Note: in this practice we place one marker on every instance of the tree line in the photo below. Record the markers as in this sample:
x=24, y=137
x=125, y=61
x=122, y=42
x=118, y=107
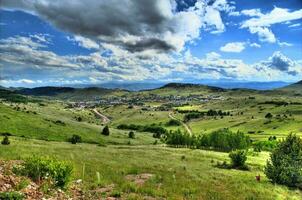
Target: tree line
x=222, y=140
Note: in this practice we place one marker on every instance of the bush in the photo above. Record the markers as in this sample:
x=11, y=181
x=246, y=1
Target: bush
x=238, y=158
x=106, y=131
x=193, y=115
x=41, y=168
x=173, y=122
x=11, y=196
x=131, y=135
x=75, y=139
x=285, y=164
x=157, y=130
x=5, y=141
x=268, y=116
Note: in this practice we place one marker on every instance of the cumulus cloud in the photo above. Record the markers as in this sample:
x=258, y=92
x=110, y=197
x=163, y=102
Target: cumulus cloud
x=260, y=23
x=281, y=63
x=27, y=51
x=84, y=42
x=126, y=66
x=252, y=12
x=134, y=25
x=264, y=34
x=235, y=47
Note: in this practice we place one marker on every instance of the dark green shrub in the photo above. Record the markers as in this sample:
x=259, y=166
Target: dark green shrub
x=75, y=139
x=106, y=131
x=131, y=135
x=11, y=196
x=157, y=130
x=5, y=141
x=173, y=122
x=268, y=116
x=41, y=168
x=238, y=158
x=285, y=164
x=272, y=138
x=193, y=115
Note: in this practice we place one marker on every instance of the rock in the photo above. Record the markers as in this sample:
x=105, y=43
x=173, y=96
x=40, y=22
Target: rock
x=78, y=181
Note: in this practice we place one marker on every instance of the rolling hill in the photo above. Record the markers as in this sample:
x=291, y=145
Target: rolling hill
x=179, y=89
x=295, y=88
x=76, y=94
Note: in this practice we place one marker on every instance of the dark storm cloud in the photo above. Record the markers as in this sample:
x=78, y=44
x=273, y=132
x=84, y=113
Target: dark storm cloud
x=152, y=43
x=104, y=18
x=112, y=20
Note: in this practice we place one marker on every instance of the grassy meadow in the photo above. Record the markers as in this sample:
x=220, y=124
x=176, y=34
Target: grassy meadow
x=44, y=127
x=177, y=173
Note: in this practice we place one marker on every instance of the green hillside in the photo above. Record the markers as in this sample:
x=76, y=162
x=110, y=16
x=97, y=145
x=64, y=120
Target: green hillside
x=39, y=125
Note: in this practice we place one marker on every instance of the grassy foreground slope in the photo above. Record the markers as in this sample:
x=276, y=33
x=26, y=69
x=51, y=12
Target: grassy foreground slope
x=177, y=173
x=43, y=127
x=54, y=122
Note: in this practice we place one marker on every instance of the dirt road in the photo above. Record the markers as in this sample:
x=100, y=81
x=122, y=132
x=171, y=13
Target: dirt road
x=188, y=129
x=105, y=119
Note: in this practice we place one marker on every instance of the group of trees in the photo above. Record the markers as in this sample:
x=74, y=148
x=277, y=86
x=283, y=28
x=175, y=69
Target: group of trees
x=157, y=130
x=222, y=140
x=197, y=114
x=173, y=122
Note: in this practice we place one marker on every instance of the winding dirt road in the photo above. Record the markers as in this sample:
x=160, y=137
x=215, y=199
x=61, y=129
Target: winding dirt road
x=105, y=119
x=188, y=129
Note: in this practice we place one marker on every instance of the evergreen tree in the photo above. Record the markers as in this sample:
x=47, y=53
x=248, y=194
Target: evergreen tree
x=106, y=131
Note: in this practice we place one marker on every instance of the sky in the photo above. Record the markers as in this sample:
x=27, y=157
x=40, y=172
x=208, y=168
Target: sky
x=63, y=42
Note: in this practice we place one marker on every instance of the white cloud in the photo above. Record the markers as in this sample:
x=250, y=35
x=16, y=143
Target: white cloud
x=260, y=23
x=213, y=18
x=284, y=44
x=19, y=81
x=212, y=56
x=255, y=45
x=294, y=25
x=235, y=47
x=25, y=51
x=264, y=34
x=277, y=15
x=234, y=13
x=252, y=12
x=84, y=42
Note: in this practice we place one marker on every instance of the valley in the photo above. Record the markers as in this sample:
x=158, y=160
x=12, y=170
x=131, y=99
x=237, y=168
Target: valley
x=42, y=124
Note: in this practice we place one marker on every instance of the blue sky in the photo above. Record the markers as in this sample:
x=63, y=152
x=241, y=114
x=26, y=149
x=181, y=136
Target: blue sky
x=91, y=42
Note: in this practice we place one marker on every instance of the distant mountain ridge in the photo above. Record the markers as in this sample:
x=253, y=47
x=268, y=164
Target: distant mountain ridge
x=299, y=83
x=192, y=85
x=45, y=91
x=95, y=93
x=70, y=93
